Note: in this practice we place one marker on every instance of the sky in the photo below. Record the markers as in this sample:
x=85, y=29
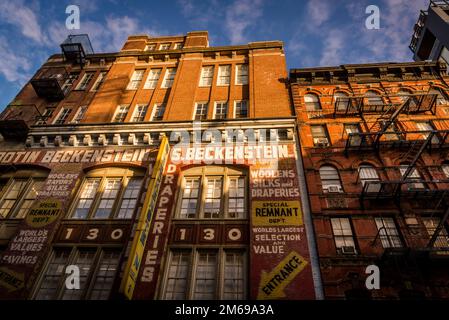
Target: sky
x=314, y=32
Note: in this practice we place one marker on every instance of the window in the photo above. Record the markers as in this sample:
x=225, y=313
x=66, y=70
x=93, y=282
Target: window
x=139, y=113
x=241, y=75
x=79, y=114
x=82, y=85
x=206, y=274
x=352, y=130
x=341, y=100
x=164, y=46
x=389, y=235
x=153, y=78
x=373, y=98
x=212, y=193
x=48, y=113
x=207, y=74
x=431, y=224
x=413, y=178
x=63, y=115
x=18, y=191
x=403, y=95
x=201, y=111
x=241, y=109
x=178, y=46
x=99, y=81
x=221, y=110
x=368, y=174
x=441, y=96
x=320, y=136
x=169, y=77
x=108, y=193
x=98, y=269
x=427, y=126
x=344, y=240
x=73, y=76
x=150, y=47
x=330, y=179
x=445, y=168
x=121, y=113
x=312, y=102
x=136, y=79
x=158, y=112
x=224, y=75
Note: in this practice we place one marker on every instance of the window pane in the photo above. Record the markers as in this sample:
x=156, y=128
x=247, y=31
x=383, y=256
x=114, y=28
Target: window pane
x=153, y=79
x=201, y=111
x=207, y=73
x=11, y=195
x=122, y=112
x=169, y=77
x=236, y=190
x=241, y=109
x=50, y=283
x=104, y=278
x=234, y=278
x=342, y=231
x=178, y=270
x=108, y=198
x=129, y=200
x=190, y=195
x=158, y=113
x=83, y=261
x=312, y=102
x=212, y=205
x=431, y=224
x=242, y=74
x=221, y=110
x=86, y=198
x=136, y=79
x=388, y=232
x=29, y=199
x=224, y=75
x=139, y=113
x=205, y=276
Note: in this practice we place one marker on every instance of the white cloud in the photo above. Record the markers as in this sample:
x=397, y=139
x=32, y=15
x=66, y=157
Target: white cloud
x=334, y=48
x=13, y=66
x=318, y=12
x=23, y=17
x=241, y=15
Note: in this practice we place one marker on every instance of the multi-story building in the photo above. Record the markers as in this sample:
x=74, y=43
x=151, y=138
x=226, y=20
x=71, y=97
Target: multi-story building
x=89, y=183
x=430, y=40
x=374, y=142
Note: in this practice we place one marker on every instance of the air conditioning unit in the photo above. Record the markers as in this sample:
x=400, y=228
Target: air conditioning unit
x=321, y=142
x=349, y=250
x=333, y=189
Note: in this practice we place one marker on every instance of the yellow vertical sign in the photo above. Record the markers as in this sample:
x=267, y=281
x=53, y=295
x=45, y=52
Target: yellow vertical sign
x=143, y=226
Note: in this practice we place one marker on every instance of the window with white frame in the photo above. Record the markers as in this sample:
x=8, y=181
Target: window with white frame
x=414, y=178
x=431, y=224
x=62, y=116
x=150, y=47
x=241, y=109
x=19, y=190
x=224, y=75
x=98, y=270
x=169, y=78
x=82, y=85
x=201, y=111
x=47, y=114
x=312, y=102
x=79, y=114
x=221, y=110
x=136, y=79
x=369, y=178
x=373, y=98
x=158, y=112
x=206, y=274
x=241, y=74
x=121, y=113
x=343, y=237
x=153, y=78
x=352, y=130
x=388, y=232
x=341, y=100
x=177, y=46
x=207, y=74
x=73, y=76
x=212, y=193
x=99, y=81
x=139, y=113
x=320, y=136
x=427, y=127
x=109, y=193
x=164, y=46
x=330, y=179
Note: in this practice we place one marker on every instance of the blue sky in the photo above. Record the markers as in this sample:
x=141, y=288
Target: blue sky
x=315, y=32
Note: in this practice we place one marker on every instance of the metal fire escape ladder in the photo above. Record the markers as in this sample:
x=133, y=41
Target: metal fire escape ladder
x=438, y=229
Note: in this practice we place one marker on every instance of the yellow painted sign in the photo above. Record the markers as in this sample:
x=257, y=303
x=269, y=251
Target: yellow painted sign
x=43, y=213
x=272, y=284
x=143, y=226
x=11, y=280
x=276, y=213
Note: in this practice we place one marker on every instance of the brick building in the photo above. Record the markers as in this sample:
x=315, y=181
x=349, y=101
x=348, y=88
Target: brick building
x=168, y=170
x=374, y=142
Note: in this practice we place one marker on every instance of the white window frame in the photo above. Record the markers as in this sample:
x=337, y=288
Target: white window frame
x=63, y=115
x=79, y=115
x=195, y=113
x=389, y=235
x=239, y=76
x=334, y=181
x=235, y=109
x=153, y=78
x=178, y=46
x=150, y=47
x=118, y=110
x=220, y=76
x=342, y=232
x=84, y=83
x=155, y=109
x=215, y=109
x=99, y=82
x=162, y=46
x=138, y=114
x=136, y=80
x=207, y=76
x=168, y=82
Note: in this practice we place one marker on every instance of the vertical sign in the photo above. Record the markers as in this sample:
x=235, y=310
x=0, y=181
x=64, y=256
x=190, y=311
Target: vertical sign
x=279, y=249
x=146, y=215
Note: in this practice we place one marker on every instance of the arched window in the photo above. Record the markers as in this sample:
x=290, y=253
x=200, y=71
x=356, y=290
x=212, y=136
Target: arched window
x=330, y=179
x=109, y=193
x=19, y=189
x=373, y=98
x=441, y=96
x=369, y=178
x=312, y=102
x=414, y=178
x=341, y=100
x=213, y=193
